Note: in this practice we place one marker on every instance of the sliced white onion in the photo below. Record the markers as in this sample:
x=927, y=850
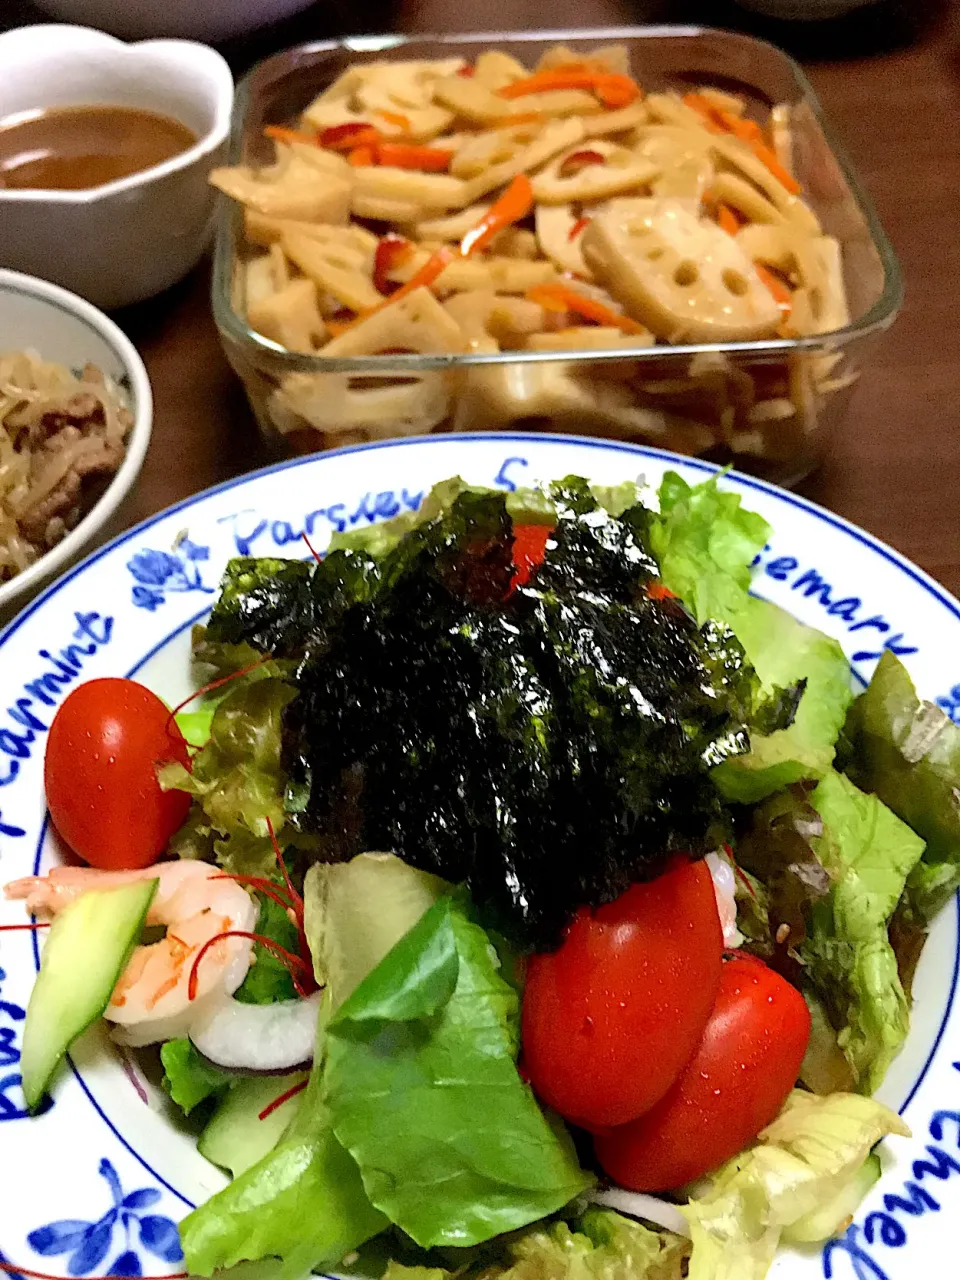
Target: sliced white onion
x=258, y=1037
x=650, y=1208
x=725, y=887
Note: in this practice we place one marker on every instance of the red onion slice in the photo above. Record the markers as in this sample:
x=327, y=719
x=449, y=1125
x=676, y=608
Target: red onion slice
x=258, y=1037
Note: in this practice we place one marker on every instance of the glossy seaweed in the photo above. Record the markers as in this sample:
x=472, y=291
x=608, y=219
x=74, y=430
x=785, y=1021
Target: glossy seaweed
x=548, y=744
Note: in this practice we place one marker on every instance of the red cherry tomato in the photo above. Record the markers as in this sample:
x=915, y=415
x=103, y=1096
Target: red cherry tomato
x=100, y=774
x=529, y=548
x=612, y=1017
x=735, y=1084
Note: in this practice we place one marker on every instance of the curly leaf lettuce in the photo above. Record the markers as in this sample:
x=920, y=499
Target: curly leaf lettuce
x=706, y=543
x=602, y=1245
x=804, y=1161
x=868, y=853
x=423, y=1091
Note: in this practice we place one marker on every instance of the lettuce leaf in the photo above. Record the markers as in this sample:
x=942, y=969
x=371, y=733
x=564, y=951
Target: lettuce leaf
x=423, y=1091
x=801, y=1163
x=784, y=651
x=188, y=1077
x=868, y=853
x=907, y=752
x=706, y=543
x=268, y=979
x=304, y=1203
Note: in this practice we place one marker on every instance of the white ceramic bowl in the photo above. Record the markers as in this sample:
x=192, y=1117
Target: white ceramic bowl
x=197, y=19
x=129, y=239
x=62, y=327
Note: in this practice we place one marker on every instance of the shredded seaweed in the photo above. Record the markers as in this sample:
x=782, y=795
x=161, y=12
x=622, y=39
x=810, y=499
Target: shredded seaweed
x=547, y=744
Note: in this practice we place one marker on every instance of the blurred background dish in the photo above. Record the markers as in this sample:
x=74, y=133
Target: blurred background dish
x=194, y=19
x=73, y=434
x=129, y=238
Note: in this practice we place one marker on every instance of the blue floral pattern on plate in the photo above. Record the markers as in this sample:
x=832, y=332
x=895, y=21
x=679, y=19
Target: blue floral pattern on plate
x=950, y=703
x=89, y=1243
x=159, y=572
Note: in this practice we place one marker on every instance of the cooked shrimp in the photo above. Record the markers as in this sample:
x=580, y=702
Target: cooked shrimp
x=151, y=1001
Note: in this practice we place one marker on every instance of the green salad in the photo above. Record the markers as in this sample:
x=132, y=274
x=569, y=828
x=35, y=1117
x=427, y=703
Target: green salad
x=537, y=902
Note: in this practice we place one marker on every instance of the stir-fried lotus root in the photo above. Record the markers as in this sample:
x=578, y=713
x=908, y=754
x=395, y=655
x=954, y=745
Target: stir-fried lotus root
x=445, y=208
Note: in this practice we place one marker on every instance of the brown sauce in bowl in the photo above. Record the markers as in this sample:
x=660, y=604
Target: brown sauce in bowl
x=76, y=148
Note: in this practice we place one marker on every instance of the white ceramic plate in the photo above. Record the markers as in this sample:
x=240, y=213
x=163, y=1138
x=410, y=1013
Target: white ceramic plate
x=95, y=1185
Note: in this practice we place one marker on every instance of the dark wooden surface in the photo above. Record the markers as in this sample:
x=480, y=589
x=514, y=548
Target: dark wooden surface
x=889, y=82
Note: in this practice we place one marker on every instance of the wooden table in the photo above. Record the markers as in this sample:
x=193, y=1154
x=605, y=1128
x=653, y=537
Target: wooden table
x=892, y=470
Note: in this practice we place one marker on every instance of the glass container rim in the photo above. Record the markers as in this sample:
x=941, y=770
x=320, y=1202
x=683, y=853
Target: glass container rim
x=234, y=328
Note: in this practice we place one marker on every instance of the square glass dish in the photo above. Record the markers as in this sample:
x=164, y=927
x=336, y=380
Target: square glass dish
x=768, y=406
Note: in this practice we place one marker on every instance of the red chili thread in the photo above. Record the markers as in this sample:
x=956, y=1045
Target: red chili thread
x=744, y=880
x=297, y=906
x=292, y=962
x=266, y=887
x=311, y=547
x=216, y=684
x=13, y=1269
x=284, y=1097
x=39, y=924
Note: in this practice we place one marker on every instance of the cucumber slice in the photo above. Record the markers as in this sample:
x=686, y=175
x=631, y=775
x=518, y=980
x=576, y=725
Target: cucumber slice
x=86, y=951
x=834, y=1217
x=236, y=1138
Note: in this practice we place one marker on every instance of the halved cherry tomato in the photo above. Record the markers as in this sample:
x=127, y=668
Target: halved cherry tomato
x=529, y=548
x=611, y=1018
x=100, y=773
x=735, y=1084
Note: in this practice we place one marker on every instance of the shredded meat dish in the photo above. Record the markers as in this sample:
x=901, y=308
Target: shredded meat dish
x=64, y=437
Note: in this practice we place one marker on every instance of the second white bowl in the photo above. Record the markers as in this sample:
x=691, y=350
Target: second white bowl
x=128, y=239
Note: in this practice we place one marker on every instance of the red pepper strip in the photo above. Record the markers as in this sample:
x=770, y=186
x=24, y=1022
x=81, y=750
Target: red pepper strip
x=467, y=72
x=514, y=205
x=612, y=90
x=344, y=137
x=727, y=220
x=579, y=226
x=559, y=297
x=395, y=118
x=580, y=160
x=657, y=591
x=781, y=294
x=279, y=134
x=391, y=252
x=361, y=157
x=719, y=121
x=401, y=155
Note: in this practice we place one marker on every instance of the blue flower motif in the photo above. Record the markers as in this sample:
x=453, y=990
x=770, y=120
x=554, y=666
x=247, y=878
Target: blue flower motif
x=147, y=598
x=89, y=1243
x=159, y=572
x=193, y=552
x=951, y=704
x=153, y=568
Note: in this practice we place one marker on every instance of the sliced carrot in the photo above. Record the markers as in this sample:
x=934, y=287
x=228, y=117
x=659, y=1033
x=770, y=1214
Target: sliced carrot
x=727, y=220
x=467, y=71
x=705, y=108
x=514, y=205
x=396, y=118
x=612, y=90
x=719, y=121
x=559, y=297
x=522, y=117
x=781, y=294
x=362, y=157
x=578, y=226
x=279, y=134
x=344, y=137
x=402, y=155
x=766, y=155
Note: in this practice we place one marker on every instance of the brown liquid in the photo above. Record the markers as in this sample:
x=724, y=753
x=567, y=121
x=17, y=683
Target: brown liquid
x=75, y=148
